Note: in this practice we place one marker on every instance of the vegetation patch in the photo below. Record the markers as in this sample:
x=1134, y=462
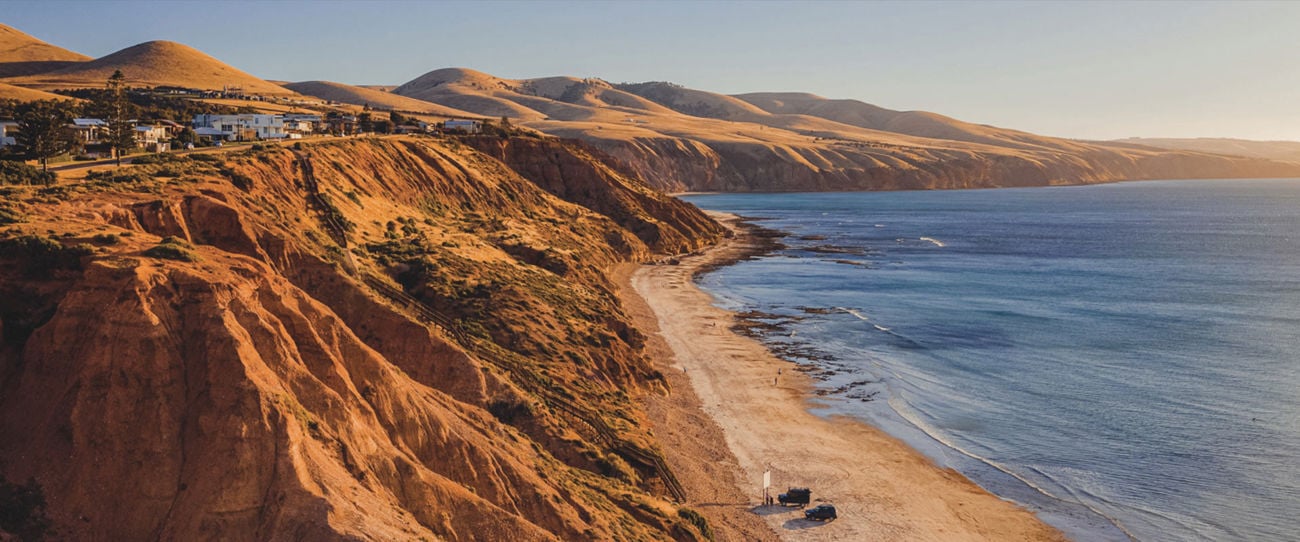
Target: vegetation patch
x=44, y=254
x=119, y=176
x=107, y=239
x=13, y=172
x=22, y=510
x=694, y=518
x=172, y=248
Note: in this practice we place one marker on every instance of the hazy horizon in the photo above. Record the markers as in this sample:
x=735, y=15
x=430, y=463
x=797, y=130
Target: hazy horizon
x=1086, y=70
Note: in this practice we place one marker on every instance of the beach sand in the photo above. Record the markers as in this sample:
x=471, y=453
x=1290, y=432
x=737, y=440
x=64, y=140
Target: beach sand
x=729, y=416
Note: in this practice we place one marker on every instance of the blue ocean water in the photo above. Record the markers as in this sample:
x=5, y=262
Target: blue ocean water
x=1122, y=359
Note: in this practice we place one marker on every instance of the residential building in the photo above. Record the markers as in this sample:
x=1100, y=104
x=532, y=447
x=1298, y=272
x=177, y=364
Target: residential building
x=343, y=124
x=89, y=130
x=242, y=127
x=7, y=130
x=152, y=138
x=467, y=126
x=297, y=123
x=171, y=128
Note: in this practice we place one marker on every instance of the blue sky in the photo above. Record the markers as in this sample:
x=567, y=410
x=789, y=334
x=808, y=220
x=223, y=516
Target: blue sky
x=1093, y=69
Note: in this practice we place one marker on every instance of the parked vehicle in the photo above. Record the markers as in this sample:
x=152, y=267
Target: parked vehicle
x=796, y=495
x=821, y=512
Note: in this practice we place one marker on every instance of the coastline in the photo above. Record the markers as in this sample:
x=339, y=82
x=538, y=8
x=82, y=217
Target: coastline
x=730, y=415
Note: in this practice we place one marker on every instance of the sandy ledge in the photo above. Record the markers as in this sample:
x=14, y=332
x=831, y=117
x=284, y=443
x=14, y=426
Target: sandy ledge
x=726, y=419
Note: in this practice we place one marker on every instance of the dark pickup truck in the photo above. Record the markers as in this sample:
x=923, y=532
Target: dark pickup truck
x=795, y=495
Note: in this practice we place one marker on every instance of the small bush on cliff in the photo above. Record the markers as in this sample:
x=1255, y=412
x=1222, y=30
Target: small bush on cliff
x=172, y=248
x=22, y=510
x=117, y=176
x=159, y=159
x=9, y=215
x=106, y=239
x=697, y=520
x=43, y=254
x=507, y=411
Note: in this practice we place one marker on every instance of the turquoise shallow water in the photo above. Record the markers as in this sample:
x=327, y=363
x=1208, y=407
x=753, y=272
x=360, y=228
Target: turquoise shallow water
x=1120, y=358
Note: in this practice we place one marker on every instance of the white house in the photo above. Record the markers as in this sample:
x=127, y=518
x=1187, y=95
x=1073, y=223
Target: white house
x=468, y=126
x=152, y=138
x=297, y=123
x=146, y=134
x=89, y=130
x=7, y=130
x=242, y=127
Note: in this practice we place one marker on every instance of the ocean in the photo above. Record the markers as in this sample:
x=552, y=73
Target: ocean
x=1121, y=359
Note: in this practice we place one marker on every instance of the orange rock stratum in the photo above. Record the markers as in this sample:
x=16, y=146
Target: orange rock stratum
x=370, y=339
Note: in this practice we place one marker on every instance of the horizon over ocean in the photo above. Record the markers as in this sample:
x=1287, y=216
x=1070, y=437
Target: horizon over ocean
x=1118, y=358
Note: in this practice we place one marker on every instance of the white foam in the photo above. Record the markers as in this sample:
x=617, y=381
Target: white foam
x=855, y=314
x=936, y=242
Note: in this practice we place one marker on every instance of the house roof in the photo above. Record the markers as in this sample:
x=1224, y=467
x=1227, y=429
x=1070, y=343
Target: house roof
x=89, y=122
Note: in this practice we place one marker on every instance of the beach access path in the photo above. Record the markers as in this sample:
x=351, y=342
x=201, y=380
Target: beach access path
x=730, y=416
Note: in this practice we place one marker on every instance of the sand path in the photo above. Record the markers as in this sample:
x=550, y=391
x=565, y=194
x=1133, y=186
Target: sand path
x=883, y=489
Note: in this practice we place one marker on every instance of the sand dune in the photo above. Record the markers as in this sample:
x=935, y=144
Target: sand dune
x=348, y=94
x=154, y=63
x=21, y=54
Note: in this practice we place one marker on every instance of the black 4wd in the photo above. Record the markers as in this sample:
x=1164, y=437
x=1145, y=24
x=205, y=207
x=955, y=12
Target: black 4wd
x=821, y=512
x=795, y=495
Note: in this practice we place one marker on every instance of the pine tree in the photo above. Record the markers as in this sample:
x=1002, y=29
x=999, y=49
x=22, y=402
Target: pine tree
x=121, y=131
x=43, y=130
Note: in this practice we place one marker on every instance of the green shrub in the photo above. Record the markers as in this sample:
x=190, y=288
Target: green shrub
x=241, y=181
x=22, y=510
x=160, y=158
x=12, y=172
x=107, y=239
x=172, y=248
x=697, y=520
x=44, y=254
x=10, y=216
x=118, y=176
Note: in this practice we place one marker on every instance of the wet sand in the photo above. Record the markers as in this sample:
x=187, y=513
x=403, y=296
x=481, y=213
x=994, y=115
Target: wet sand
x=730, y=416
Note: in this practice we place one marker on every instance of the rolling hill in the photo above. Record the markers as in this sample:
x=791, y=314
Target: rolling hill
x=154, y=63
x=1288, y=151
x=678, y=138
x=348, y=94
x=11, y=92
x=686, y=139
x=21, y=54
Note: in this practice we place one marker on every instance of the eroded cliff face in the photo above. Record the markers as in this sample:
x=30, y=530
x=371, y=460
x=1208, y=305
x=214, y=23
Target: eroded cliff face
x=677, y=165
x=392, y=339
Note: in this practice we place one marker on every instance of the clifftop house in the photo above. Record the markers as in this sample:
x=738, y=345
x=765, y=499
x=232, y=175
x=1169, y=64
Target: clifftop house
x=240, y=127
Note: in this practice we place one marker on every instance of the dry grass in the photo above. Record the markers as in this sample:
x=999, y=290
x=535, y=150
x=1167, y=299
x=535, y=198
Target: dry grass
x=11, y=92
x=348, y=94
x=155, y=63
x=21, y=54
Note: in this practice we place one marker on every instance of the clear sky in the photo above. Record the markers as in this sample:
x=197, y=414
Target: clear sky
x=1089, y=69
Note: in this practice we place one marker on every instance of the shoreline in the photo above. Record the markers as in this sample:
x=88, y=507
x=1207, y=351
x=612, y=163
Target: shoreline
x=725, y=422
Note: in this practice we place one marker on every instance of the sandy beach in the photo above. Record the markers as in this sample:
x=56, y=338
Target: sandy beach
x=730, y=416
